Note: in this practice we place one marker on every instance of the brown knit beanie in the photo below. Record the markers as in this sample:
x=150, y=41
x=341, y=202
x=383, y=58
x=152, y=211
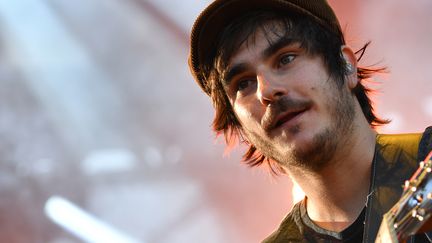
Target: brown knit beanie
x=212, y=21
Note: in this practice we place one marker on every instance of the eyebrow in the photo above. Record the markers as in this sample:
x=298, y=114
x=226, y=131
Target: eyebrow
x=232, y=72
x=273, y=47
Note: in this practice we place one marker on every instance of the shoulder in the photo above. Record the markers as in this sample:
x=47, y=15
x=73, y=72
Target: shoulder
x=398, y=149
x=413, y=145
x=289, y=230
x=406, y=141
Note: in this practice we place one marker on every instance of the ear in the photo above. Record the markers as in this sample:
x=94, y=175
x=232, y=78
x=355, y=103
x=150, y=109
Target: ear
x=350, y=66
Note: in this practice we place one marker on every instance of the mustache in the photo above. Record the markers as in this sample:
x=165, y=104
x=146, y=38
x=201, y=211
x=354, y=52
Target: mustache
x=283, y=105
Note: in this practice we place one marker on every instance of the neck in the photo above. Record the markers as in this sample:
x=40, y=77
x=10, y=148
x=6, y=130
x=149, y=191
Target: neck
x=337, y=194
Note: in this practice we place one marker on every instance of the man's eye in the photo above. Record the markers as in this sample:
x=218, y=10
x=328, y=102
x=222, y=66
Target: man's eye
x=244, y=84
x=286, y=59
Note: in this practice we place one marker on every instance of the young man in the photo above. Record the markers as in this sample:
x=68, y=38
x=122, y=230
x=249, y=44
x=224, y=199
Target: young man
x=284, y=82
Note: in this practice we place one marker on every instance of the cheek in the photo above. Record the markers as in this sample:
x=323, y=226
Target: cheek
x=248, y=114
x=243, y=113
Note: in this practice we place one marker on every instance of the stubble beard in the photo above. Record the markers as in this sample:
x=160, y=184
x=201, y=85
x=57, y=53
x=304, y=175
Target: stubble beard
x=319, y=152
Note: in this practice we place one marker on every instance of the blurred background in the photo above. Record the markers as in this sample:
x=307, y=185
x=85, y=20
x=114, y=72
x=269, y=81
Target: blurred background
x=105, y=137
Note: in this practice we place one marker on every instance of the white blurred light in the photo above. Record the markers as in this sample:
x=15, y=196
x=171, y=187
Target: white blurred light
x=153, y=156
x=108, y=161
x=83, y=225
x=427, y=106
x=173, y=154
x=43, y=166
x=297, y=193
x=396, y=124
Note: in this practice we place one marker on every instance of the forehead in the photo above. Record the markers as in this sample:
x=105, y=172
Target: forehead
x=264, y=40
x=263, y=43
x=270, y=30
x=243, y=31
x=244, y=34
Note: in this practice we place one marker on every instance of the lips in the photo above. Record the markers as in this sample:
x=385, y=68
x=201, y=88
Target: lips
x=274, y=122
x=283, y=111
x=287, y=117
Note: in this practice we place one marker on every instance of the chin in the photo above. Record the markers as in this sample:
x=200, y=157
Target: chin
x=310, y=150
x=298, y=137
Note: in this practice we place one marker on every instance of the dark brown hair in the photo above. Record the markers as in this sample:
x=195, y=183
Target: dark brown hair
x=313, y=37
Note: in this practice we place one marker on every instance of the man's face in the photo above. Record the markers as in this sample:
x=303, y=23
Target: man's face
x=286, y=102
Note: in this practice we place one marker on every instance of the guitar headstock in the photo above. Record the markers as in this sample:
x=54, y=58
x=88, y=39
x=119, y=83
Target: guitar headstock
x=410, y=214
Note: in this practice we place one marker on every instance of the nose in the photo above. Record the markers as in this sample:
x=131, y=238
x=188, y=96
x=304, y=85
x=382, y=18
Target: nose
x=270, y=88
